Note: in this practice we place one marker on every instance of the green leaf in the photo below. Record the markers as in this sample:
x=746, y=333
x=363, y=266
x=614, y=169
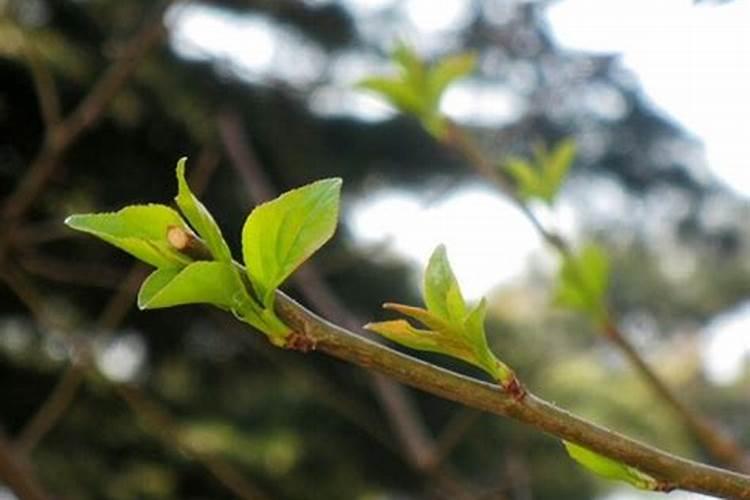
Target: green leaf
x=200, y=218
x=446, y=71
x=412, y=67
x=609, y=468
x=200, y=282
x=441, y=292
x=526, y=177
x=556, y=168
x=451, y=329
x=583, y=281
x=419, y=87
x=544, y=178
x=140, y=230
x=474, y=325
x=397, y=93
x=280, y=235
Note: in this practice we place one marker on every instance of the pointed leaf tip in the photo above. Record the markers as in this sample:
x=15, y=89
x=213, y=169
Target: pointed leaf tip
x=442, y=294
x=139, y=230
x=199, y=217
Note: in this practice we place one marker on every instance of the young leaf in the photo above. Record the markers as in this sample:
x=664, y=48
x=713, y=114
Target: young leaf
x=200, y=218
x=419, y=87
x=280, y=235
x=556, y=167
x=544, y=178
x=610, y=469
x=402, y=332
x=397, y=93
x=526, y=177
x=451, y=329
x=140, y=230
x=583, y=281
x=441, y=292
x=198, y=283
x=446, y=71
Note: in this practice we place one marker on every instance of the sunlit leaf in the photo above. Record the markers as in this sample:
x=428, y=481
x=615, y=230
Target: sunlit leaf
x=610, y=469
x=446, y=71
x=543, y=178
x=441, y=292
x=556, y=168
x=526, y=177
x=198, y=283
x=419, y=87
x=397, y=93
x=281, y=234
x=450, y=328
x=140, y=230
x=583, y=281
x=200, y=218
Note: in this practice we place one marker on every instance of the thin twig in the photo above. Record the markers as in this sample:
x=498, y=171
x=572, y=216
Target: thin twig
x=17, y=475
x=71, y=272
x=306, y=377
x=166, y=428
x=714, y=439
x=65, y=132
x=58, y=403
x=62, y=396
x=44, y=84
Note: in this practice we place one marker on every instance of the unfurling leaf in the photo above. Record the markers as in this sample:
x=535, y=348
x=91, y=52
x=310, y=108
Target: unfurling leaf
x=140, y=230
x=543, y=177
x=281, y=234
x=583, y=281
x=609, y=468
x=419, y=87
x=200, y=218
x=451, y=328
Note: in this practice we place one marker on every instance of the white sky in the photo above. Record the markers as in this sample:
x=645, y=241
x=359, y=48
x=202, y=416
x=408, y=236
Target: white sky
x=693, y=63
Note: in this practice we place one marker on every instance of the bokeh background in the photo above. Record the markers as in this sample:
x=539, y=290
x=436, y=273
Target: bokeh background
x=99, y=98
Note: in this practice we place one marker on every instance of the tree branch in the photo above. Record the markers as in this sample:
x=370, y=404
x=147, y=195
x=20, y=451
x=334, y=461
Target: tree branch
x=711, y=436
x=16, y=475
x=670, y=470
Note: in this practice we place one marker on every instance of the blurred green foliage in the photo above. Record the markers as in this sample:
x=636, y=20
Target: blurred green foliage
x=308, y=427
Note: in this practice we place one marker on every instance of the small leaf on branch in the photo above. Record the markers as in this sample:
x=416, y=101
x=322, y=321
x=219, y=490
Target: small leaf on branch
x=583, y=281
x=451, y=329
x=281, y=234
x=419, y=87
x=610, y=469
x=140, y=230
x=200, y=218
x=198, y=283
x=543, y=177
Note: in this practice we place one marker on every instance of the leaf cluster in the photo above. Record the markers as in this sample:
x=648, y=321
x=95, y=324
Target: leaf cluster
x=277, y=238
x=451, y=327
x=418, y=87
